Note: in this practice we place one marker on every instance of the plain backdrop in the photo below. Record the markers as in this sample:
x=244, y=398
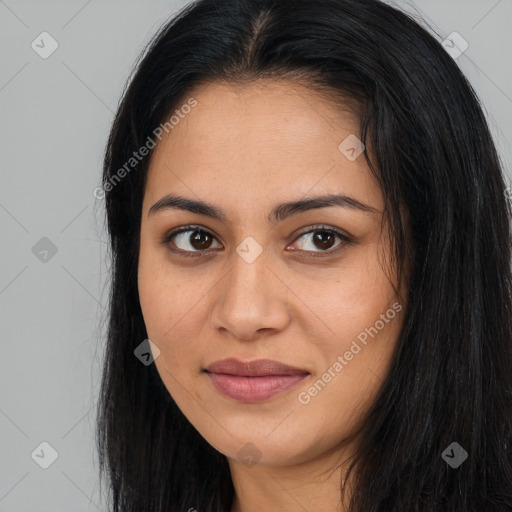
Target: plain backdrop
x=55, y=114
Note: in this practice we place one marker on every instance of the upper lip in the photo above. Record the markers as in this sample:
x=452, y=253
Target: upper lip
x=257, y=368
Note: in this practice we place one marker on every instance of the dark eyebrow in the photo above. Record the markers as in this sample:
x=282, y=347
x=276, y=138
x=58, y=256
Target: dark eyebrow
x=278, y=213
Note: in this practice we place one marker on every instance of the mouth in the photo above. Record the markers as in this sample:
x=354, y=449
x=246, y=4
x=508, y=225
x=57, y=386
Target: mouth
x=254, y=381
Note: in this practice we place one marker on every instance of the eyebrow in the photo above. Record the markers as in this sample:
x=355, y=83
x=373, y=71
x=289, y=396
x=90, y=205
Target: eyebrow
x=278, y=213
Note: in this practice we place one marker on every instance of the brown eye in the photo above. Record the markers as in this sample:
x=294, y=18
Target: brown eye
x=194, y=240
x=190, y=239
x=200, y=240
x=322, y=239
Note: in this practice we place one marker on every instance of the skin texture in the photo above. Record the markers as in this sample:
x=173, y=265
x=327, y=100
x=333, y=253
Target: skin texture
x=246, y=149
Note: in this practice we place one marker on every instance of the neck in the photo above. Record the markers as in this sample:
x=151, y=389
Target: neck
x=311, y=485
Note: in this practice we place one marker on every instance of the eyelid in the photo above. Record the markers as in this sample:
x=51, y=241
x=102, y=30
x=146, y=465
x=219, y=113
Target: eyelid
x=324, y=227
x=343, y=236
x=183, y=229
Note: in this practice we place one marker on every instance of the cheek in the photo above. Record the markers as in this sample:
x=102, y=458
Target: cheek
x=365, y=321
x=152, y=292
x=157, y=294
x=353, y=298
x=173, y=307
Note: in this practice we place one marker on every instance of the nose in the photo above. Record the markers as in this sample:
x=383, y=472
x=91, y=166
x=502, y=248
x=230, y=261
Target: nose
x=251, y=300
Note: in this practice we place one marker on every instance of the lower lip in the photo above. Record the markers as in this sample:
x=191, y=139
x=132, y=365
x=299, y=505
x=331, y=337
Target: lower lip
x=253, y=389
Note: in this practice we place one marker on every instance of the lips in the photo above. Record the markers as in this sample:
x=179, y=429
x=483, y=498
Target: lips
x=258, y=368
x=254, y=381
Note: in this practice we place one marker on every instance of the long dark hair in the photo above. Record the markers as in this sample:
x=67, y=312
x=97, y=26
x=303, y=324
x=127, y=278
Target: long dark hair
x=451, y=376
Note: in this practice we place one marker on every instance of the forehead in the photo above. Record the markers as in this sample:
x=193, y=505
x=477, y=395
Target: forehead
x=252, y=141
x=265, y=113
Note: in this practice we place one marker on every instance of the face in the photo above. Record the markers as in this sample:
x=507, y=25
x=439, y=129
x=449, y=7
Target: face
x=306, y=287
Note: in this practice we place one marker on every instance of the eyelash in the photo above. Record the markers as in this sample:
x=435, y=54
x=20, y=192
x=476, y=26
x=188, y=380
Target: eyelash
x=345, y=240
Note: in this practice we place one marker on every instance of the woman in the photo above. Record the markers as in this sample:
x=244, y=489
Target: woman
x=310, y=304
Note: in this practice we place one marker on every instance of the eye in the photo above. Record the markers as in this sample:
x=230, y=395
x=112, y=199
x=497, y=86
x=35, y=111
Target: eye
x=323, y=238
x=194, y=236
x=195, y=239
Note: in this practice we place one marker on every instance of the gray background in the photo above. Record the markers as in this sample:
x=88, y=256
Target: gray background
x=55, y=116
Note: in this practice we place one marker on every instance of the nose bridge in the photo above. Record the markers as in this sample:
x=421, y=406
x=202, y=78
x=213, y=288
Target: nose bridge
x=249, y=269
x=249, y=298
